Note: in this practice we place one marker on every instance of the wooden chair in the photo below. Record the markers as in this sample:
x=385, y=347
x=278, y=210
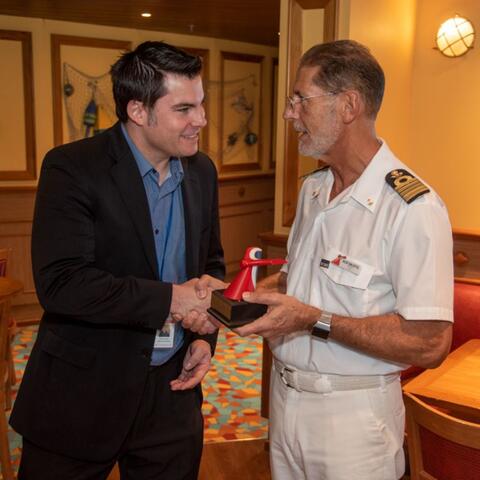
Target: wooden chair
x=5, y=460
x=441, y=447
x=12, y=329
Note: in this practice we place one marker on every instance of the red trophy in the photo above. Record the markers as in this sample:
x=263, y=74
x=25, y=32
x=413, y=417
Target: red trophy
x=227, y=305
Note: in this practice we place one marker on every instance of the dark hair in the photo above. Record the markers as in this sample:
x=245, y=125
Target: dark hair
x=344, y=65
x=139, y=74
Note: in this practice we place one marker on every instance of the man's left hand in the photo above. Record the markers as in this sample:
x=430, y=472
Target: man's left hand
x=195, y=366
x=285, y=315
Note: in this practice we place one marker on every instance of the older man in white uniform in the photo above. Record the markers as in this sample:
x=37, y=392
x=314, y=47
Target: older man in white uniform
x=368, y=289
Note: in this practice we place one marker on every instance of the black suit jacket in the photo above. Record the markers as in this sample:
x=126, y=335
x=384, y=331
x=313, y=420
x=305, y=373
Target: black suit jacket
x=96, y=276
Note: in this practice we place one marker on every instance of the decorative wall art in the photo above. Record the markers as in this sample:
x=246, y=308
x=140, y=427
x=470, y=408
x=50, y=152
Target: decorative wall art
x=82, y=92
x=240, y=136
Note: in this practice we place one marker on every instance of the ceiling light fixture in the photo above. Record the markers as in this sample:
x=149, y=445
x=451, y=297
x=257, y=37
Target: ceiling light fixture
x=146, y=15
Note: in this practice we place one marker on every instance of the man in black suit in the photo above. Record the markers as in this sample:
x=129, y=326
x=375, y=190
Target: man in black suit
x=125, y=223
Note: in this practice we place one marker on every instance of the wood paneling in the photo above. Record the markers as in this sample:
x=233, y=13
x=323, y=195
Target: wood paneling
x=290, y=163
x=16, y=214
x=247, y=20
x=246, y=210
x=29, y=173
x=295, y=39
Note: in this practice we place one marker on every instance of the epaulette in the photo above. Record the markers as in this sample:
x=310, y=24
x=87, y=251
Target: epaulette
x=315, y=171
x=406, y=185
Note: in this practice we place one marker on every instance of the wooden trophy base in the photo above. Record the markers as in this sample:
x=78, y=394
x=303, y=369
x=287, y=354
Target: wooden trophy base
x=234, y=313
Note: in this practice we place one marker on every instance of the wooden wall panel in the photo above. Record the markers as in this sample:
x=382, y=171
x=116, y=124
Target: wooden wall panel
x=246, y=210
x=16, y=214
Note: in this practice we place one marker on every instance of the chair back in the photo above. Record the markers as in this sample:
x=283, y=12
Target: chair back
x=4, y=254
x=4, y=339
x=440, y=447
x=5, y=460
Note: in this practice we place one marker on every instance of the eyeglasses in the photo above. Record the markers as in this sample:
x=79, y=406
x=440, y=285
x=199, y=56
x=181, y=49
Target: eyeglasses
x=295, y=100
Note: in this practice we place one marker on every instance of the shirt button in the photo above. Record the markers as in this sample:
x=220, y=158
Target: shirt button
x=156, y=231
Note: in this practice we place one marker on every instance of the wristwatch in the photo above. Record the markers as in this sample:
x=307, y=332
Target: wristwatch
x=321, y=329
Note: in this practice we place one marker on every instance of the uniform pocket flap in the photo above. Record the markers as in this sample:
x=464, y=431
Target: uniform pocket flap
x=77, y=355
x=346, y=270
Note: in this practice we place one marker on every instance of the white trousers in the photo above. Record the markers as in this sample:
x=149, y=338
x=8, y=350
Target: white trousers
x=340, y=435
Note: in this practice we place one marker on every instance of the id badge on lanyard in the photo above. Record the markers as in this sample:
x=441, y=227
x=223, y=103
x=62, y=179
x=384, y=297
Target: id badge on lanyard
x=164, y=338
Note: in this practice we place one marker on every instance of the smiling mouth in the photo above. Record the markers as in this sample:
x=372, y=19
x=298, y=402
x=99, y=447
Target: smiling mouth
x=191, y=137
x=302, y=133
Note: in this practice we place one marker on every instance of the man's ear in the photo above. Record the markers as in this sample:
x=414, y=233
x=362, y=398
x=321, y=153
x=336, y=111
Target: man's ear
x=137, y=112
x=352, y=105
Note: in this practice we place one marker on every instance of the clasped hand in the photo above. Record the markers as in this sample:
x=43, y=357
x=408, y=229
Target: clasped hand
x=190, y=301
x=285, y=315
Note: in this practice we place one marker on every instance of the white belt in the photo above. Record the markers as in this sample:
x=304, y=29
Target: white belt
x=325, y=383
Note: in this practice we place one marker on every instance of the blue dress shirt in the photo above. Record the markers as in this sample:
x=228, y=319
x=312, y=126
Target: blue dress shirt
x=168, y=225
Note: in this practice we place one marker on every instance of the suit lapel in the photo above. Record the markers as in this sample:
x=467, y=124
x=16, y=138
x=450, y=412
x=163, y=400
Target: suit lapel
x=130, y=184
x=192, y=207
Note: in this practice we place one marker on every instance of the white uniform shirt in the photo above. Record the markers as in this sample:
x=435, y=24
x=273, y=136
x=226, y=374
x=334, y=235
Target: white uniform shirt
x=394, y=257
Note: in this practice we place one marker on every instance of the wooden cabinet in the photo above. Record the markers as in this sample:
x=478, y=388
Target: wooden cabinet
x=246, y=210
x=16, y=214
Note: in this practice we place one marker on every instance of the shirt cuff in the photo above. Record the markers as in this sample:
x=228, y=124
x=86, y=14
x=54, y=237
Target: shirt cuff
x=426, y=313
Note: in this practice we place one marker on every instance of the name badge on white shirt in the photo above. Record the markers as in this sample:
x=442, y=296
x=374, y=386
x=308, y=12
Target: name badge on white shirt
x=350, y=266
x=164, y=337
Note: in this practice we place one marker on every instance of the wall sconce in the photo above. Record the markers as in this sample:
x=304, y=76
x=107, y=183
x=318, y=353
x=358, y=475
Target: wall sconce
x=455, y=36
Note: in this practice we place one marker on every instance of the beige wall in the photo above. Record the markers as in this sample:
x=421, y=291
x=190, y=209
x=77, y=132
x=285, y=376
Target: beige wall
x=446, y=113
x=42, y=29
x=387, y=28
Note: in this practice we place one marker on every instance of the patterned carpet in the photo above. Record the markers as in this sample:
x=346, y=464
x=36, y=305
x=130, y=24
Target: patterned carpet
x=231, y=388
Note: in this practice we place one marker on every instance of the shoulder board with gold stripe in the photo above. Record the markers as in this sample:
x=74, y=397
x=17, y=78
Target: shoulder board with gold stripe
x=406, y=185
x=315, y=171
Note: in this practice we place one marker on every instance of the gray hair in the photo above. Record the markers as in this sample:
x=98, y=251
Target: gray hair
x=347, y=65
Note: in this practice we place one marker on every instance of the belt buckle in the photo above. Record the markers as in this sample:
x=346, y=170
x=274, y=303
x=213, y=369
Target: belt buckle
x=293, y=377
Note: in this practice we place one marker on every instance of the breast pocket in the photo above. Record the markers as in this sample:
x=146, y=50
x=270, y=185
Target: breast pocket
x=345, y=270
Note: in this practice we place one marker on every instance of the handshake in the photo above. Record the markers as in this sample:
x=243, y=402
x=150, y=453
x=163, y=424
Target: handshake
x=190, y=301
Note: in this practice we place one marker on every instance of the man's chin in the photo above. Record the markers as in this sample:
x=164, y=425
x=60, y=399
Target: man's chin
x=188, y=152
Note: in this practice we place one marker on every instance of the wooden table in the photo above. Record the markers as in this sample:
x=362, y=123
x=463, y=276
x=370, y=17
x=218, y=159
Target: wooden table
x=455, y=384
x=9, y=287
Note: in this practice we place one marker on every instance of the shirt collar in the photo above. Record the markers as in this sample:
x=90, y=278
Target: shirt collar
x=368, y=187
x=145, y=167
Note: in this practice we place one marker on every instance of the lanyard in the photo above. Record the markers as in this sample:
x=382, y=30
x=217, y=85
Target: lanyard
x=167, y=235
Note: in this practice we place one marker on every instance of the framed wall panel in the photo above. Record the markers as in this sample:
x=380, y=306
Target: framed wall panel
x=295, y=39
x=17, y=121
x=240, y=115
x=273, y=121
x=80, y=67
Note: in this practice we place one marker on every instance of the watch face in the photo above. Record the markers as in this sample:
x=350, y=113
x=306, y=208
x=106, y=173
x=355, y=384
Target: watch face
x=320, y=331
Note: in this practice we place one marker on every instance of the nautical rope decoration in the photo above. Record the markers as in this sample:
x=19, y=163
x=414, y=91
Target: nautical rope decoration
x=88, y=102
